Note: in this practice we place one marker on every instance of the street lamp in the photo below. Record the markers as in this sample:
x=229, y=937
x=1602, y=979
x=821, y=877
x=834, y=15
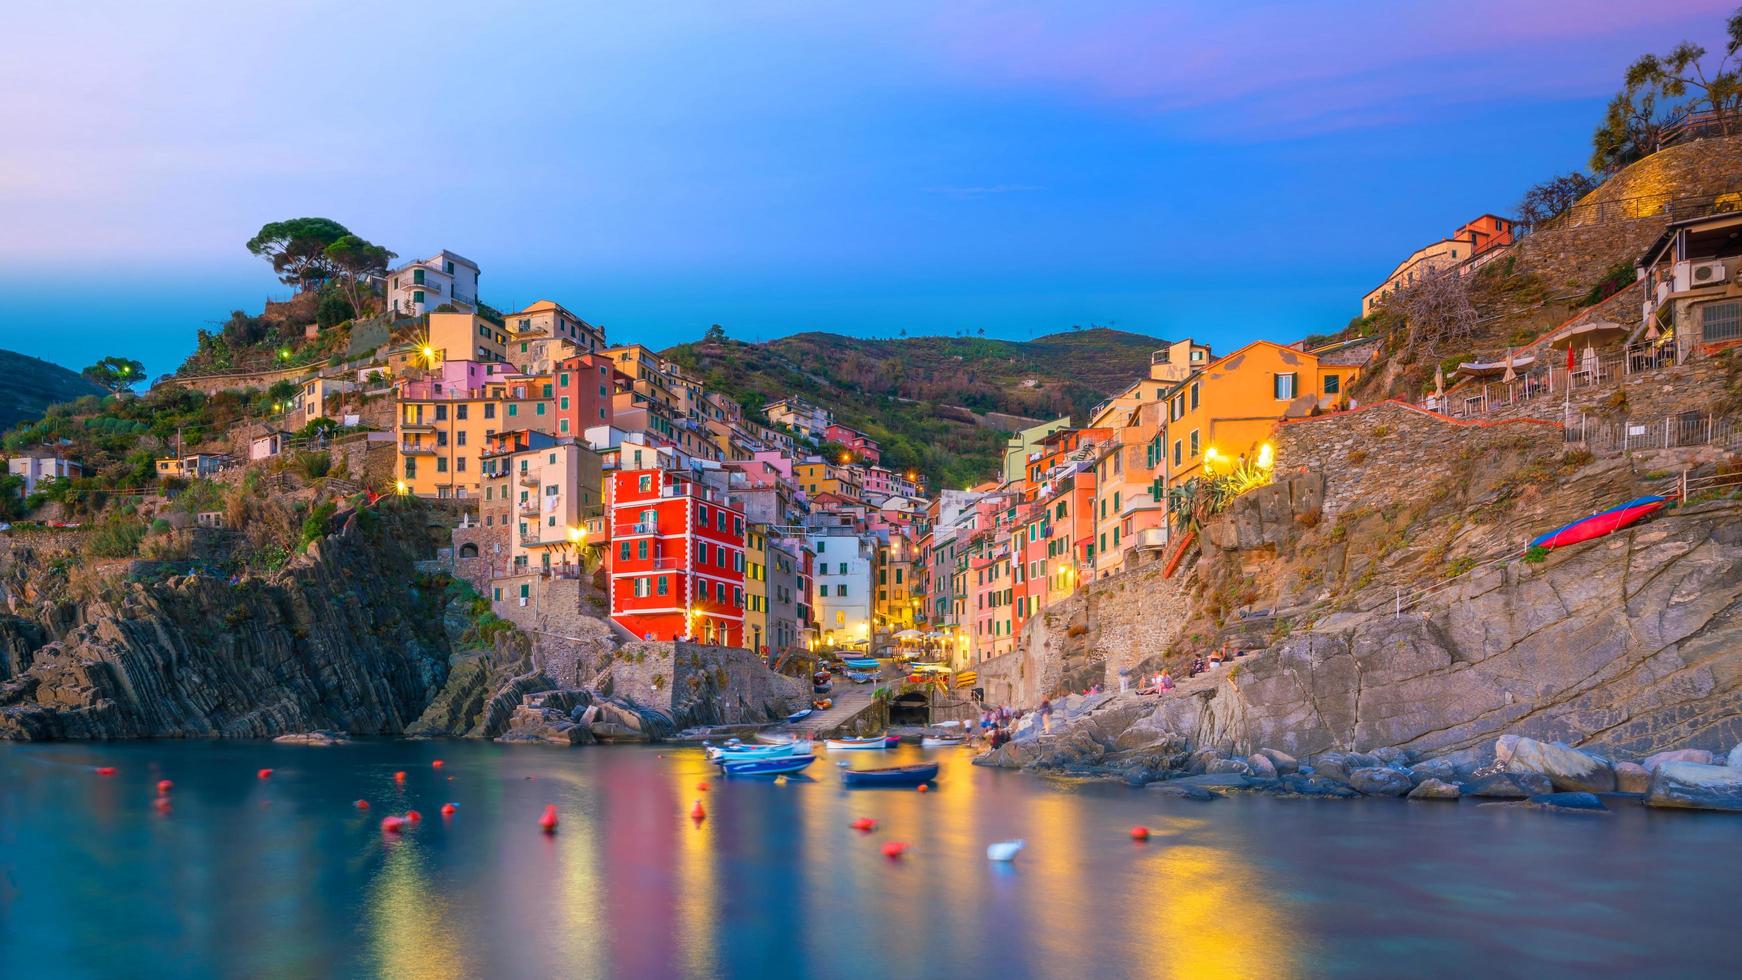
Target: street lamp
x=400, y=488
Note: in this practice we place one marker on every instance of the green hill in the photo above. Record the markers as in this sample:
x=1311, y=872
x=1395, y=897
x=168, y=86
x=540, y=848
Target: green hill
x=29, y=385
x=933, y=403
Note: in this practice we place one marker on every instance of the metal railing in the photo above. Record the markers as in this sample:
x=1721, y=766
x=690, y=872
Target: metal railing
x=1664, y=204
x=1547, y=382
x=1681, y=431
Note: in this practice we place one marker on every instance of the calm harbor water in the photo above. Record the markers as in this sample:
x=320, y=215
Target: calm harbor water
x=283, y=877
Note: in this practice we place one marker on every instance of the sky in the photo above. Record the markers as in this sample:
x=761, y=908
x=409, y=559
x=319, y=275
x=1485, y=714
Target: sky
x=1205, y=169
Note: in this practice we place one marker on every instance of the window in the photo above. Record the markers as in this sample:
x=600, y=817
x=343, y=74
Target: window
x=1176, y=452
x=417, y=296
x=563, y=403
x=825, y=592
x=513, y=409
x=641, y=548
x=1285, y=386
x=489, y=410
x=460, y=414
x=644, y=484
x=1194, y=438
x=662, y=585
x=1721, y=321
x=441, y=413
x=1194, y=394
x=441, y=464
x=641, y=589
x=1333, y=383
x=623, y=552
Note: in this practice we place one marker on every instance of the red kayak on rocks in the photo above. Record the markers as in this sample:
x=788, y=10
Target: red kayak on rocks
x=1597, y=525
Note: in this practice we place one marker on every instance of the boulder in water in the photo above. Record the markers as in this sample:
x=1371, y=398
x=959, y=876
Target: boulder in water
x=1735, y=759
x=1698, y=756
x=1568, y=801
x=1695, y=786
x=1433, y=769
x=1261, y=766
x=1567, y=768
x=1631, y=777
x=1380, y=781
x=1221, y=766
x=1434, y=789
x=1316, y=785
x=1509, y=786
x=1283, y=762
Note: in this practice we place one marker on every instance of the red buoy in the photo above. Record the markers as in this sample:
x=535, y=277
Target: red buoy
x=922, y=788
x=413, y=816
x=399, y=777
x=105, y=770
x=894, y=849
x=436, y=764
x=361, y=804
x=392, y=825
x=703, y=786
x=864, y=825
x=1139, y=833
x=697, y=813
x=164, y=786
x=264, y=774
x=162, y=804
x=448, y=809
x=548, y=821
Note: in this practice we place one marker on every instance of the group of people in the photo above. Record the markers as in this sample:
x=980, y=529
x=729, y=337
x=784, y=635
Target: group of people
x=995, y=724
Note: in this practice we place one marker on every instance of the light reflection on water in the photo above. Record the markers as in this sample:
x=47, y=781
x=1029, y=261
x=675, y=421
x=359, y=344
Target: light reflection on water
x=283, y=877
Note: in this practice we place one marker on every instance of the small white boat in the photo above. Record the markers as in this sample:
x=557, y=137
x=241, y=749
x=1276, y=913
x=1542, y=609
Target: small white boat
x=776, y=738
x=875, y=743
x=1004, y=850
x=941, y=741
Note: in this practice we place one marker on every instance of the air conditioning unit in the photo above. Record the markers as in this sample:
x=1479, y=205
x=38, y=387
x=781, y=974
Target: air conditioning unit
x=1706, y=274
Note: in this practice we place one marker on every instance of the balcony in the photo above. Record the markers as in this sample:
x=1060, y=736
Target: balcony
x=417, y=449
x=1151, y=539
x=529, y=480
x=638, y=527
x=528, y=508
x=418, y=426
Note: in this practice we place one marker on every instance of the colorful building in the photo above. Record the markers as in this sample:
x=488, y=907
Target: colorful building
x=842, y=596
x=444, y=279
x=583, y=389
x=676, y=558
x=1472, y=239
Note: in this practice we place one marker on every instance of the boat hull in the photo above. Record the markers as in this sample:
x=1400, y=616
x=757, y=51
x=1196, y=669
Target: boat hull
x=898, y=776
x=768, y=767
x=855, y=745
x=1600, y=524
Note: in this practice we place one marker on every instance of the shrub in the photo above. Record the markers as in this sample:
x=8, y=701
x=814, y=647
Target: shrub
x=314, y=525
x=1536, y=554
x=1381, y=431
x=1460, y=565
x=115, y=537
x=314, y=465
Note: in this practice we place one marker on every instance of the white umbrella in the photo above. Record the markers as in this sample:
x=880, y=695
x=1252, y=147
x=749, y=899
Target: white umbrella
x=1510, y=375
x=908, y=635
x=1440, y=382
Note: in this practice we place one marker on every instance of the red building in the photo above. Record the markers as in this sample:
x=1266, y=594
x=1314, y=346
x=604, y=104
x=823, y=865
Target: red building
x=676, y=558
x=584, y=385
x=862, y=446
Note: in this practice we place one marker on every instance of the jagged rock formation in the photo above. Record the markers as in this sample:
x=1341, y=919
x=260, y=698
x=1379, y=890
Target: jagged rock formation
x=342, y=638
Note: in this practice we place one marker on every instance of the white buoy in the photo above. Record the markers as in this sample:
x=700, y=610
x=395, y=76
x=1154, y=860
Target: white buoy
x=1004, y=850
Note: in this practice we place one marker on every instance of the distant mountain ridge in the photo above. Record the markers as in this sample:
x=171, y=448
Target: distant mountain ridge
x=941, y=405
x=29, y=385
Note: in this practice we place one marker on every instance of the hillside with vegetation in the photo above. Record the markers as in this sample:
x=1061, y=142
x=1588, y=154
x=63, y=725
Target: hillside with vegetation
x=31, y=385
x=942, y=405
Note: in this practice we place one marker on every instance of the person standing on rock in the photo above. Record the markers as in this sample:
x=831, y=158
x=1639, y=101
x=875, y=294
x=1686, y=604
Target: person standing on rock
x=1046, y=714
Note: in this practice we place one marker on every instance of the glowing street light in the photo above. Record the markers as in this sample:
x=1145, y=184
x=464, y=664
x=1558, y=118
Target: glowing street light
x=577, y=535
x=1266, y=455
x=400, y=488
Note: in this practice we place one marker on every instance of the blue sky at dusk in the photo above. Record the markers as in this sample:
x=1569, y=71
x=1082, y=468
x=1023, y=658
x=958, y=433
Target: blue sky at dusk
x=1206, y=169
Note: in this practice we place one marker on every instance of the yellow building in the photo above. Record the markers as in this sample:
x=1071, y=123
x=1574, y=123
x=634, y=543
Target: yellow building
x=443, y=434
x=1227, y=410
x=1167, y=367
x=897, y=598
x=817, y=476
x=466, y=337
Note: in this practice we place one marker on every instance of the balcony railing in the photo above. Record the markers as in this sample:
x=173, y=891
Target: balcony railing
x=637, y=527
x=529, y=479
x=417, y=449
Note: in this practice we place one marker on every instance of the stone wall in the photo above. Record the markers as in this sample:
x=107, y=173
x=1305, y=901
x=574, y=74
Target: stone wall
x=1392, y=451
x=1712, y=166
x=692, y=684
x=568, y=643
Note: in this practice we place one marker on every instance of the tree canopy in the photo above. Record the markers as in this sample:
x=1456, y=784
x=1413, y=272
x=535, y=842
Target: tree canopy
x=115, y=373
x=297, y=249
x=1658, y=90
x=355, y=260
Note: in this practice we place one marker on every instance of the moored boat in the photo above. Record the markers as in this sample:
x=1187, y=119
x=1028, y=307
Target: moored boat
x=723, y=753
x=777, y=766
x=861, y=663
x=875, y=743
x=892, y=776
x=892, y=741
x=941, y=741
x=799, y=715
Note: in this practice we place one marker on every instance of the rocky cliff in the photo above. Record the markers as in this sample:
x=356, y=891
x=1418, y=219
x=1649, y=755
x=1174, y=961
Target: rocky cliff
x=1381, y=600
x=342, y=638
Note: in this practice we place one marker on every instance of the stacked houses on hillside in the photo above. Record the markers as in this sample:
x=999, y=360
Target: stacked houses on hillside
x=783, y=532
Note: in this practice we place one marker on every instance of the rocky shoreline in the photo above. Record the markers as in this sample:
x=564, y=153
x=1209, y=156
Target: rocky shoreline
x=1118, y=737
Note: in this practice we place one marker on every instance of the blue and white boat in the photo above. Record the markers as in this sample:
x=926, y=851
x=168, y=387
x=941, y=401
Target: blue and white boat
x=876, y=743
x=861, y=663
x=778, y=766
x=799, y=715
x=741, y=752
